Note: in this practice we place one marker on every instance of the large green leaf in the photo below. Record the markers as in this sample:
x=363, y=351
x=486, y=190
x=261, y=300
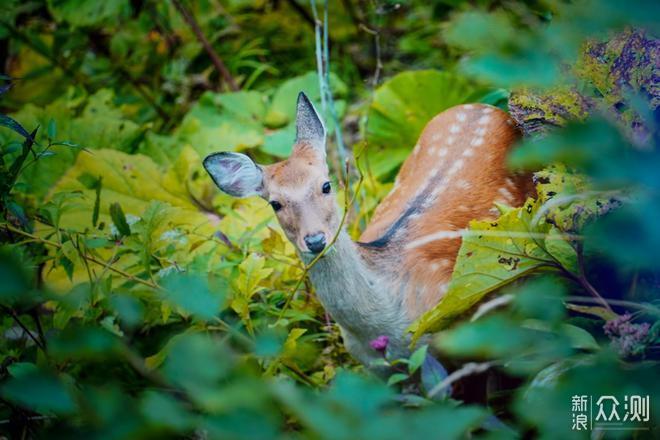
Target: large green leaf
x=402, y=107
x=156, y=202
x=224, y=122
x=243, y=120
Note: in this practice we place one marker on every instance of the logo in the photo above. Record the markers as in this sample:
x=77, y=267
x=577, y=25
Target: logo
x=610, y=413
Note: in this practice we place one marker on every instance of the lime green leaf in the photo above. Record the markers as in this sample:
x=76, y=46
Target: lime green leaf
x=492, y=254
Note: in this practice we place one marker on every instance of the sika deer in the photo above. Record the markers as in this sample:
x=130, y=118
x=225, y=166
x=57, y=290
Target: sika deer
x=400, y=267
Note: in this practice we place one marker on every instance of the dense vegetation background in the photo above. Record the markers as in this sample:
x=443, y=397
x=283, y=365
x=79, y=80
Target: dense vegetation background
x=138, y=301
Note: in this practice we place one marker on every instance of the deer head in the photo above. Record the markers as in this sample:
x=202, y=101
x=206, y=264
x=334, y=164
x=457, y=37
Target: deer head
x=298, y=188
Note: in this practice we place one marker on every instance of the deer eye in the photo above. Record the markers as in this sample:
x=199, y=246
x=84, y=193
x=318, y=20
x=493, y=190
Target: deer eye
x=326, y=188
x=276, y=205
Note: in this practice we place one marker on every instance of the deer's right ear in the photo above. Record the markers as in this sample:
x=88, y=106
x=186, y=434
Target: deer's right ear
x=235, y=173
x=309, y=127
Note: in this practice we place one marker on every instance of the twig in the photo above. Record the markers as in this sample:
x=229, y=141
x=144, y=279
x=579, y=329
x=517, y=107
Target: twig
x=35, y=317
x=646, y=307
x=491, y=305
x=215, y=58
x=467, y=370
x=18, y=321
x=581, y=277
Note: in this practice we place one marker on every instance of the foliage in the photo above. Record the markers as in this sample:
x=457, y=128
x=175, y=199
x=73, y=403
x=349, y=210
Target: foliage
x=137, y=301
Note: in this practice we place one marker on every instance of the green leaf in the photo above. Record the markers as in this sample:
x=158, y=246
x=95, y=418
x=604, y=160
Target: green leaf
x=492, y=254
x=162, y=410
x=52, y=129
x=81, y=14
x=84, y=342
x=10, y=123
x=119, y=220
x=396, y=378
x=490, y=337
x=39, y=391
x=224, y=122
x=417, y=359
x=193, y=294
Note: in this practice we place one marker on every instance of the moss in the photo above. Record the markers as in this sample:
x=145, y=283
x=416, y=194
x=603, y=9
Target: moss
x=609, y=74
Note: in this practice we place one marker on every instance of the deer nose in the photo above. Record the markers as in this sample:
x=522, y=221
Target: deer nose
x=315, y=242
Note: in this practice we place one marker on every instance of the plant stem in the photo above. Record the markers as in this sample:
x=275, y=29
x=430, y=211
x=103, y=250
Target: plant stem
x=215, y=58
x=581, y=277
x=27, y=331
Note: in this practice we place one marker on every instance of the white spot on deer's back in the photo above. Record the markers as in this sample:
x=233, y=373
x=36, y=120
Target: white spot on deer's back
x=476, y=142
x=480, y=131
x=487, y=110
x=454, y=128
x=505, y=193
x=468, y=152
x=463, y=184
x=468, y=106
x=457, y=165
x=483, y=120
x=435, y=137
x=442, y=152
x=460, y=117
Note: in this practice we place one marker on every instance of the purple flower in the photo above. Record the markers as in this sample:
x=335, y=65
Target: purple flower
x=380, y=343
x=628, y=339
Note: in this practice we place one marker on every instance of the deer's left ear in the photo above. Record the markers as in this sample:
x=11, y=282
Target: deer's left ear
x=309, y=127
x=235, y=173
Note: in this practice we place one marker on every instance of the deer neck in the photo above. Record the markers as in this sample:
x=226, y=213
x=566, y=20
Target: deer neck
x=354, y=290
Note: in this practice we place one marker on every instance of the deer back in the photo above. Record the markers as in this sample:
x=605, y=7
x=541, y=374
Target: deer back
x=455, y=173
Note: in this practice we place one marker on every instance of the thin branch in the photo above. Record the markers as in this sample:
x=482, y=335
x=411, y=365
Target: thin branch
x=27, y=331
x=581, y=277
x=86, y=257
x=467, y=370
x=215, y=58
x=35, y=317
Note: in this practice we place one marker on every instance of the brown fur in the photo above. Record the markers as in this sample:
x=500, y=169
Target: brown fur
x=469, y=193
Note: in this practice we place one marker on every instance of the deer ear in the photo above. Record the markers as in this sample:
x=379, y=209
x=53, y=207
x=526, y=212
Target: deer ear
x=309, y=127
x=235, y=173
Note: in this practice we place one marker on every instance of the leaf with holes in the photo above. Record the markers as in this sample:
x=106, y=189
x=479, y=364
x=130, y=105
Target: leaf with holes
x=492, y=254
